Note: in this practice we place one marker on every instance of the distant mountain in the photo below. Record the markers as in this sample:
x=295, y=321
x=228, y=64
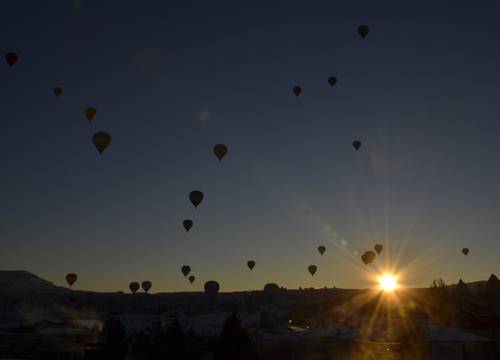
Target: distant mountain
x=22, y=277
x=21, y=281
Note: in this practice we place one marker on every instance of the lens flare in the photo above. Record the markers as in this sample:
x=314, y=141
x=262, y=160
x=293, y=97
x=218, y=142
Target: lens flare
x=388, y=282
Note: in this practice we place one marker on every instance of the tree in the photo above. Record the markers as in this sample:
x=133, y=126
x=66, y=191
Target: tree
x=141, y=345
x=264, y=321
x=234, y=342
x=114, y=340
x=180, y=346
x=172, y=343
x=438, y=284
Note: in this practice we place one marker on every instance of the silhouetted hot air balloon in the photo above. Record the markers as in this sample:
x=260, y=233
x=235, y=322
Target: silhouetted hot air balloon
x=356, y=144
x=90, y=113
x=191, y=279
x=186, y=269
x=332, y=80
x=146, y=286
x=211, y=287
x=465, y=251
x=251, y=264
x=58, y=90
x=297, y=90
x=321, y=249
x=378, y=248
x=220, y=150
x=11, y=58
x=363, y=30
x=271, y=288
x=368, y=257
x=71, y=278
x=312, y=269
x=101, y=141
x=188, y=224
x=196, y=197
x=134, y=286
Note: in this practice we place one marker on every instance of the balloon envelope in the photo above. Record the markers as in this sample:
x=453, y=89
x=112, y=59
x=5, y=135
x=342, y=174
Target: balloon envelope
x=297, y=90
x=332, y=80
x=312, y=269
x=71, y=278
x=196, y=197
x=251, y=264
x=356, y=144
x=11, y=58
x=368, y=257
x=378, y=248
x=90, y=113
x=186, y=269
x=271, y=288
x=188, y=224
x=465, y=251
x=101, y=141
x=363, y=30
x=321, y=249
x=211, y=287
x=146, y=286
x=134, y=286
x=191, y=279
x=220, y=150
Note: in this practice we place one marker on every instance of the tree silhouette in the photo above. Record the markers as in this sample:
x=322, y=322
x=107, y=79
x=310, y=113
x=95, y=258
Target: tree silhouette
x=234, y=342
x=171, y=342
x=177, y=342
x=141, y=347
x=114, y=340
x=264, y=321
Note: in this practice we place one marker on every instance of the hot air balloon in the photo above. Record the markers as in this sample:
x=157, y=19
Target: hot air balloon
x=58, y=90
x=312, y=269
x=101, y=141
x=71, y=278
x=356, y=144
x=368, y=257
x=465, y=251
x=211, y=287
x=220, y=150
x=90, y=113
x=186, y=269
x=196, y=197
x=188, y=224
x=378, y=248
x=134, y=286
x=363, y=30
x=251, y=264
x=191, y=279
x=332, y=80
x=271, y=288
x=321, y=249
x=11, y=58
x=297, y=90
x=146, y=285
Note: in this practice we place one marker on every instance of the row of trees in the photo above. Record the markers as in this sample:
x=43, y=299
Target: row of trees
x=171, y=341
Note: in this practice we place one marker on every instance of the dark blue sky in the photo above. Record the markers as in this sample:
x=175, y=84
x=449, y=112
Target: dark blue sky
x=172, y=79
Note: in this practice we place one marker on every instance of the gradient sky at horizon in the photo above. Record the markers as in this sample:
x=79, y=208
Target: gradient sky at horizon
x=171, y=79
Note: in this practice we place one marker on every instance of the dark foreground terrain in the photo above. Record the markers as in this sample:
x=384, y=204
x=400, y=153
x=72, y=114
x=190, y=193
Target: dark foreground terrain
x=39, y=320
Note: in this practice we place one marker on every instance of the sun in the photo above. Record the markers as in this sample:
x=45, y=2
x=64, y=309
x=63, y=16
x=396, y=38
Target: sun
x=388, y=282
